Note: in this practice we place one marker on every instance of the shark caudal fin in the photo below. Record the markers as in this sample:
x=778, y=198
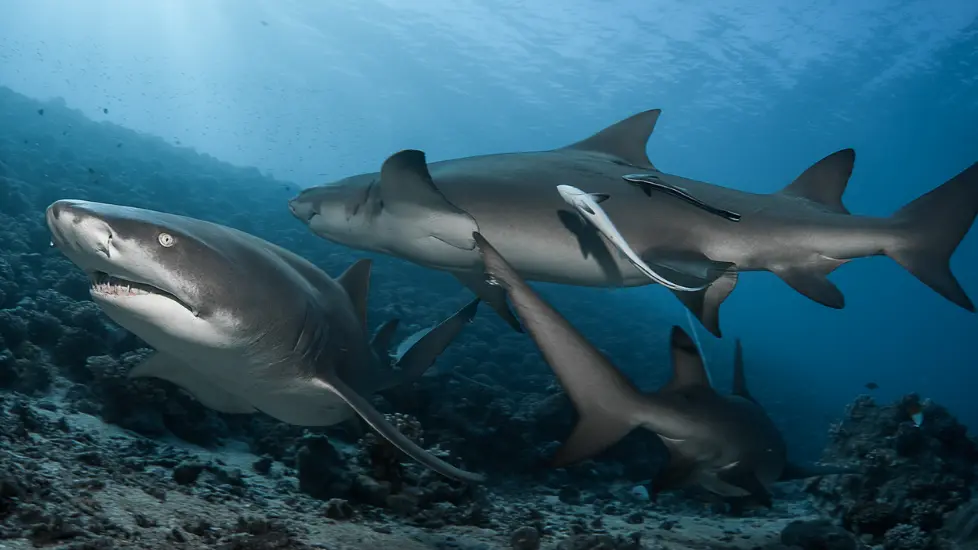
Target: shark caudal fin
x=930, y=229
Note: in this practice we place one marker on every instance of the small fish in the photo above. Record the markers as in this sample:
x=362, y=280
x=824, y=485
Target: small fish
x=916, y=414
x=872, y=386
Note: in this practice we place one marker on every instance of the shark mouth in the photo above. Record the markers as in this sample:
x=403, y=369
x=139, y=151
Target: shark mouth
x=110, y=285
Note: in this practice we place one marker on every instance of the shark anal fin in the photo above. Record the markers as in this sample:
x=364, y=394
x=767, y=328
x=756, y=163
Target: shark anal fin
x=811, y=281
x=747, y=480
x=406, y=188
x=208, y=392
x=388, y=431
x=356, y=281
x=652, y=182
x=490, y=294
x=825, y=181
x=627, y=139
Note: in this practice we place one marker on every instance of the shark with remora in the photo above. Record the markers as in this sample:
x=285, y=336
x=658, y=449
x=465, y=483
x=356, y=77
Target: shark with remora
x=726, y=444
x=242, y=324
x=695, y=234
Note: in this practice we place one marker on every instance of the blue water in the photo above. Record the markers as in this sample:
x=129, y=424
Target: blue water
x=313, y=91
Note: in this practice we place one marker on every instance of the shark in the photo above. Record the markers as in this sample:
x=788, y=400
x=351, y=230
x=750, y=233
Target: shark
x=244, y=325
x=726, y=444
x=696, y=235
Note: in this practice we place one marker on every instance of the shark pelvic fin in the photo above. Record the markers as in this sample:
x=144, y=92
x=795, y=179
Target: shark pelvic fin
x=383, y=336
x=208, y=392
x=626, y=139
x=356, y=281
x=825, y=181
x=406, y=188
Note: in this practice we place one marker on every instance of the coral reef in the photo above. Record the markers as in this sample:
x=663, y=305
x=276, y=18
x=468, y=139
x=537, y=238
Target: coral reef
x=912, y=477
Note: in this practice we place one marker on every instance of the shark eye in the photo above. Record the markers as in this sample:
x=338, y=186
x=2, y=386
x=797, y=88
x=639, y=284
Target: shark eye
x=166, y=240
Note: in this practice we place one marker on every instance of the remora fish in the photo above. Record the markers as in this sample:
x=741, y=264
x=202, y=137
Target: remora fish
x=242, y=324
x=694, y=233
x=725, y=443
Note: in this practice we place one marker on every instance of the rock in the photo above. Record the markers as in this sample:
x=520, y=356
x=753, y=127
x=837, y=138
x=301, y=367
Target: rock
x=818, y=535
x=187, y=472
x=525, y=538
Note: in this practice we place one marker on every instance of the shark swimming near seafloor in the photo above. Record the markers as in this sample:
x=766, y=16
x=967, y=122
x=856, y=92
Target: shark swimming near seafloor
x=726, y=444
x=244, y=325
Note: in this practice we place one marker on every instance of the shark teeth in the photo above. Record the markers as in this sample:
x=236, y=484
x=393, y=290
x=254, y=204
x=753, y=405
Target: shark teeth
x=104, y=283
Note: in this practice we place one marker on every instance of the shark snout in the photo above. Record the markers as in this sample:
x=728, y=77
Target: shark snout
x=76, y=231
x=302, y=209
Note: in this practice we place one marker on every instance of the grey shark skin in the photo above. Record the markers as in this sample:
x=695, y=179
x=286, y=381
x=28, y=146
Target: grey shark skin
x=725, y=443
x=240, y=323
x=426, y=213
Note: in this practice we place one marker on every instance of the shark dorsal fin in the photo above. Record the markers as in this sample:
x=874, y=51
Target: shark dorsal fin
x=406, y=188
x=825, y=181
x=739, y=380
x=381, y=341
x=626, y=139
x=356, y=281
x=687, y=365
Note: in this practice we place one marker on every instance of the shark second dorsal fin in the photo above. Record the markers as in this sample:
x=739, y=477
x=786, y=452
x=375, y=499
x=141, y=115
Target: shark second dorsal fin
x=687, y=366
x=626, y=139
x=406, y=187
x=381, y=341
x=356, y=281
x=739, y=380
x=825, y=181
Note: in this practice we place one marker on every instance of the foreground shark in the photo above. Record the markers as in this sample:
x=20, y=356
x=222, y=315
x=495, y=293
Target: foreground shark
x=695, y=234
x=242, y=324
x=725, y=443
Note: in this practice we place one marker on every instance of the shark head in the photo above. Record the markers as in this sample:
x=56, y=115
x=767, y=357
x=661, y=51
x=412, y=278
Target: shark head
x=164, y=277
x=345, y=211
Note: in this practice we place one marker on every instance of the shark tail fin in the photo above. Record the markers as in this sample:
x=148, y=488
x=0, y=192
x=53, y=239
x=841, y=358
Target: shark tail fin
x=929, y=230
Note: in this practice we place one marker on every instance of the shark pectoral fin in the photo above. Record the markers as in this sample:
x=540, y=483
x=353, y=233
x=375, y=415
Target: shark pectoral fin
x=419, y=351
x=209, y=393
x=493, y=295
x=596, y=430
x=627, y=139
x=406, y=188
x=825, y=181
x=798, y=471
x=356, y=281
x=813, y=283
x=388, y=431
x=382, y=338
x=746, y=480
